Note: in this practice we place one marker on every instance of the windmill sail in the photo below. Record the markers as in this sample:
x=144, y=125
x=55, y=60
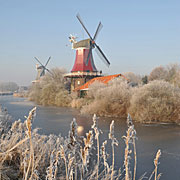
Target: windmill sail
x=93, y=43
x=41, y=69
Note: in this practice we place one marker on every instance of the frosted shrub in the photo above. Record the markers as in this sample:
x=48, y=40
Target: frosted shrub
x=158, y=73
x=109, y=100
x=78, y=103
x=51, y=90
x=156, y=101
x=133, y=78
x=34, y=93
x=62, y=98
x=93, y=89
x=176, y=79
x=5, y=121
x=48, y=94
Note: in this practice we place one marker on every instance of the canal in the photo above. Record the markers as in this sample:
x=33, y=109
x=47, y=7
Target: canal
x=53, y=120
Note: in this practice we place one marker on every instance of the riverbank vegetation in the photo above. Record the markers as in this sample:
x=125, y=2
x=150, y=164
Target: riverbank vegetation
x=25, y=154
x=151, y=98
x=51, y=90
x=107, y=100
x=158, y=101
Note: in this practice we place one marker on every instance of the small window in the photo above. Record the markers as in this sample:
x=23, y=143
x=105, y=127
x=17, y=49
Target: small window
x=78, y=82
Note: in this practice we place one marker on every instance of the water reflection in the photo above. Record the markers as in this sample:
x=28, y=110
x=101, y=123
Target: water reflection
x=80, y=130
x=150, y=137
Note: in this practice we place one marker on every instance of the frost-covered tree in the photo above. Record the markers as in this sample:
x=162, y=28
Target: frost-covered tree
x=132, y=77
x=158, y=73
x=168, y=73
x=156, y=101
x=51, y=90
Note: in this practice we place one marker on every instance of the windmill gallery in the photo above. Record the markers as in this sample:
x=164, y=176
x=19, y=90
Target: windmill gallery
x=84, y=71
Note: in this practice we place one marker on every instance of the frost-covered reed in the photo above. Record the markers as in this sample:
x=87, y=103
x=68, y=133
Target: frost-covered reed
x=27, y=155
x=130, y=139
x=113, y=142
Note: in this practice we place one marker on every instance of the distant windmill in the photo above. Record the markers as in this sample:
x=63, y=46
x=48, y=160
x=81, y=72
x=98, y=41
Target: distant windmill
x=42, y=68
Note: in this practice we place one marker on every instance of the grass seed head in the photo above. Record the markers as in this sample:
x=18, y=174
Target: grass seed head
x=158, y=154
x=29, y=120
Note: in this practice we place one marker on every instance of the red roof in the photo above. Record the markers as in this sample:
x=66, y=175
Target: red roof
x=103, y=79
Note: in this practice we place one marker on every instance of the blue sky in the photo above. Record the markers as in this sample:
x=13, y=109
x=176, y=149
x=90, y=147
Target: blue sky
x=137, y=35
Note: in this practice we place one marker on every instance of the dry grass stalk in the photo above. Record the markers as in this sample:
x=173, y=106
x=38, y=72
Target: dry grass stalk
x=68, y=161
x=73, y=146
x=96, y=130
x=14, y=147
x=53, y=168
x=135, y=159
x=70, y=166
x=73, y=135
x=133, y=136
x=104, y=156
x=156, y=164
x=88, y=142
x=50, y=168
x=126, y=155
x=29, y=120
x=129, y=139
x=63, y=156
x=113, y=142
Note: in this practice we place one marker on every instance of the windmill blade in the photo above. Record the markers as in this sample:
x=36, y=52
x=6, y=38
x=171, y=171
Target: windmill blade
x=38, y=61
x=79, y=18
x=102, y=55
x=47, y=61
x=49, y=71
x=89, y=55
x=97, y=30
x=42, y=72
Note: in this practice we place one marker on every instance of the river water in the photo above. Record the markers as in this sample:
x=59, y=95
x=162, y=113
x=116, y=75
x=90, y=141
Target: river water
x=53, y=120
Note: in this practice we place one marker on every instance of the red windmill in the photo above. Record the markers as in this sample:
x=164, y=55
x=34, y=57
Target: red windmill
x=84, y=68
